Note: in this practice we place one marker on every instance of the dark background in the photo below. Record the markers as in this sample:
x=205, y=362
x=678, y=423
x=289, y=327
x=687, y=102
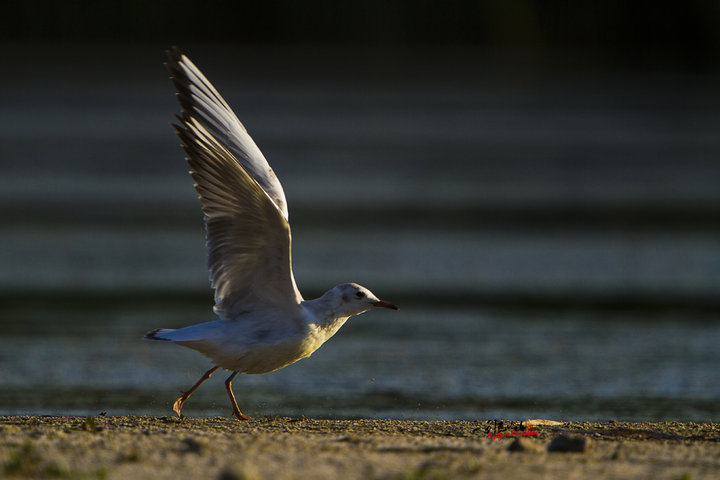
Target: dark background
x=534, y=183
x=630, y=34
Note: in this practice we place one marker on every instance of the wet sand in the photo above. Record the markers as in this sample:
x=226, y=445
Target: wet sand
x=223, y=448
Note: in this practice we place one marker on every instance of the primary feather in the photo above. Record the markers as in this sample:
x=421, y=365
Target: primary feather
x=199, y=99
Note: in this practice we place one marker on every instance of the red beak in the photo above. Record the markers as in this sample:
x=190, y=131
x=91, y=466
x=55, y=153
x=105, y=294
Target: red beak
x=384, y=304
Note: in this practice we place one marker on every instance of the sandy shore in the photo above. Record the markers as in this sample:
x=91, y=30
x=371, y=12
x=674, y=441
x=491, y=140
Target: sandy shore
x=223, y=448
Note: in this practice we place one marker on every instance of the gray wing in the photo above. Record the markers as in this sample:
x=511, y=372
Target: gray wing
x=248, y=238
x=199, y=99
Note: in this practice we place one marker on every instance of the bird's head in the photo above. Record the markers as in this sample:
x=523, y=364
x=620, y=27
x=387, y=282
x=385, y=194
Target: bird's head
x=352, y=299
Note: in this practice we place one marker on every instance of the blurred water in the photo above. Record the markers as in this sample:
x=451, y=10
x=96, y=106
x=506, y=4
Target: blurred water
x=438, y=363
x=550, y=233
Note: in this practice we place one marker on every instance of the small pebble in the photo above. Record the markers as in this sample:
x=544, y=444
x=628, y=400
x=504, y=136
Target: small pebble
x=192, y=445
x=229, y=474
x=243, y=474
x=568, y=442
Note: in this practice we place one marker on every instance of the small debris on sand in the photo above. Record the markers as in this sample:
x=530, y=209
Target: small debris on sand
x=568, y=442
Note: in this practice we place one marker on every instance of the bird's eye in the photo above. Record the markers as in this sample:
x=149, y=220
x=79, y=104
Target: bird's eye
x=360, y=294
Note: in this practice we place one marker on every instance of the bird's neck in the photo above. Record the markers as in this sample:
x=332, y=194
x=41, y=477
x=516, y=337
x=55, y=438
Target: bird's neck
x=324, y=312
x=322, y=318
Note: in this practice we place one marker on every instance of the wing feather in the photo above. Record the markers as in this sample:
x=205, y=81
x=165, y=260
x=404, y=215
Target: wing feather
x=248, y=237
x=200, y=100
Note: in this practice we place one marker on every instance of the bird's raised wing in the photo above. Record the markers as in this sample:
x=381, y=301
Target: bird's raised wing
x=248, y=238
x=199, y=99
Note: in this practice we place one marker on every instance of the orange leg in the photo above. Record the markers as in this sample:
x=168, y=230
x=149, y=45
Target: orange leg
x=236, y=410
x=177, y=406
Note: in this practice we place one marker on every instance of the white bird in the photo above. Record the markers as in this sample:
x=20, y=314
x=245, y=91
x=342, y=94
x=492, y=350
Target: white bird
x=264, y=323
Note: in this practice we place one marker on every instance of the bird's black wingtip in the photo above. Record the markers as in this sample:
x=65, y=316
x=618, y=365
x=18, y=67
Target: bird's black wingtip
x=154, y=335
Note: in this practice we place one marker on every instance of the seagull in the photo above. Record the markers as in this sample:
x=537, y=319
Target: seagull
x=263, y=324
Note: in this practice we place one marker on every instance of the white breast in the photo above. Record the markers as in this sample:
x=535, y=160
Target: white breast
x=263, y=354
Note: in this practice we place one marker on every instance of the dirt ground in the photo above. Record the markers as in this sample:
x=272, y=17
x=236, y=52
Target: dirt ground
x=285, y=448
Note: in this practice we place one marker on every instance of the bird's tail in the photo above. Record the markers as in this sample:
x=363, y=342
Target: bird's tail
x=159, y=335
